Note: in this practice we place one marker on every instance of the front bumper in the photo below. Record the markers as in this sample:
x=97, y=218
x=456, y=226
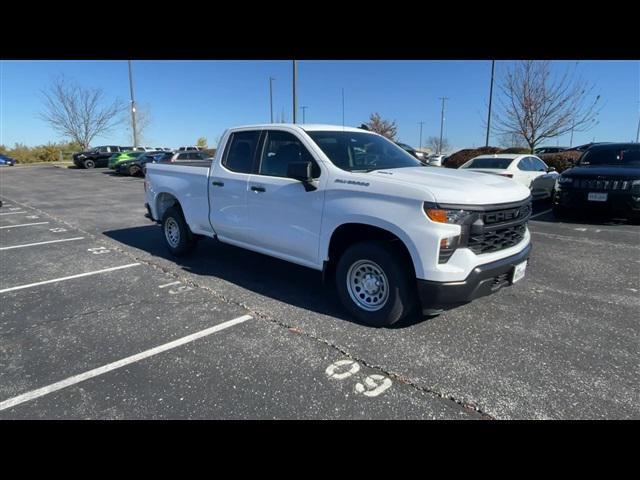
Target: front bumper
x=483, y=280
x=623, y=203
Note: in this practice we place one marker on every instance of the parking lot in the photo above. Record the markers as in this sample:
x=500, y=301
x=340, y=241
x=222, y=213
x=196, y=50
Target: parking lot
x=99, y=321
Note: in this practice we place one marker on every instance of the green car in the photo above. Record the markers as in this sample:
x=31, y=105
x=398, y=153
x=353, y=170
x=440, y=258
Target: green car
x=117, y=158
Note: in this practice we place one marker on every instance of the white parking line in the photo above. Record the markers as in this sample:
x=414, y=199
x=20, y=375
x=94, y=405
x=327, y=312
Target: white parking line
x=20, y=287
x=40, y=392
x=24, y=225
x=11, y=213
x=541, y=213
x=41, y=243
x=168, y=284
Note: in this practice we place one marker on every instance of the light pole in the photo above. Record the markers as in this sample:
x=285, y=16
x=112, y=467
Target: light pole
x=420, y=146
x=271, y=79
x=573, y=123
x=441, y=124
x=303, y=108
x=343, y=107
x=493, y=66
x=295, y=90
x=133, y=109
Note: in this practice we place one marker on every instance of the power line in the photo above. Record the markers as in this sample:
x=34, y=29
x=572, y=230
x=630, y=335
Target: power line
x=303, y=108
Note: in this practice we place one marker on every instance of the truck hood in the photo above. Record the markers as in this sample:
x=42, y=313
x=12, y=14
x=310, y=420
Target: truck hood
x=454, y=186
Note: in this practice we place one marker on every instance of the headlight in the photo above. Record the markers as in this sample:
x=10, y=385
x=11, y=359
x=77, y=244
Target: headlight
x=442, y=215
x=565, y=179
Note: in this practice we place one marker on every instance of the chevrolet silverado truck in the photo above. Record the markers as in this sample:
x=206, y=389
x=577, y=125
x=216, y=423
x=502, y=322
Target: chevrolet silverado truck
x=396, y=235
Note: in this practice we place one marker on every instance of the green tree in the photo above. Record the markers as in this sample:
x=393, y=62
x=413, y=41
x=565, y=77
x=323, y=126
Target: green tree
x=202, y=142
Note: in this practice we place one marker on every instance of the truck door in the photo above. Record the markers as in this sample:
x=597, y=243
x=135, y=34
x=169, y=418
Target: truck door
x=228, y=186
x=284, y=218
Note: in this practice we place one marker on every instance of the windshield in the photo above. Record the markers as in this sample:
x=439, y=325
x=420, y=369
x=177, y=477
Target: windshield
x=359, y=151
x=488, y=162
x=626, y=156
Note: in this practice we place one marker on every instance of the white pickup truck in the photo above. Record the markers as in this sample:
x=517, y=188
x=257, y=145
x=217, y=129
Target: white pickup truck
x=394, y=233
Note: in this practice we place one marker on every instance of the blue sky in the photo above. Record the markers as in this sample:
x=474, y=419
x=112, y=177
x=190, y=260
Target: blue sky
x=190, y=99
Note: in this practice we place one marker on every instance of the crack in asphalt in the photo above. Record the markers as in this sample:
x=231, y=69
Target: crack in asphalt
x=467, y=407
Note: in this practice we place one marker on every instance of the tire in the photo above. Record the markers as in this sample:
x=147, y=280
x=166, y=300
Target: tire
x=89, y=164
x=176, y=232
x=380, y=265
x=134, y=170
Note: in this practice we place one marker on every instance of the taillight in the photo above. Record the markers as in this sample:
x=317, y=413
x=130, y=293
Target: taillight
x=509, y=175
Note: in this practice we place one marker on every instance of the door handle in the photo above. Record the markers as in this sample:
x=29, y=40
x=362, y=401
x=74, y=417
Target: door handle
x=258, y=189
x=217, y=184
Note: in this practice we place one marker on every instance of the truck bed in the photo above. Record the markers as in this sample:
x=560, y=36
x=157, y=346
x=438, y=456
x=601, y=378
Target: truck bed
x=188, y=182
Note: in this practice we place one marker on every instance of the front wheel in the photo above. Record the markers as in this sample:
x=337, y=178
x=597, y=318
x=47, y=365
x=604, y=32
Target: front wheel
x=375, y=283
x=89, y=164
x=177, y=235
x=134, y=170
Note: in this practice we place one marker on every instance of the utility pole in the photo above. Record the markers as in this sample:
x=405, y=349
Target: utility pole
x=304, y=108
x=420, y=146
x=571, y=140
x=441, y=124
x=493, y=66
x=133, y=109
x=295, y=90
x=271, y=79
x=638, y=131
x=343, y=108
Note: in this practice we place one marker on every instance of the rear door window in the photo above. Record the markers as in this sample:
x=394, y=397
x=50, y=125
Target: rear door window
x=241, y=151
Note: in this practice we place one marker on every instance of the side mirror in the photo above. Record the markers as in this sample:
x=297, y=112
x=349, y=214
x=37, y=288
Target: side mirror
x=551, y=169
x=301, y=171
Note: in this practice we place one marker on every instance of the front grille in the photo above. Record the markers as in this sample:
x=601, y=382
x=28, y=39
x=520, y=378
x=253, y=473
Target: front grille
x=494, y=240
x=609, y=184
x=507, y=215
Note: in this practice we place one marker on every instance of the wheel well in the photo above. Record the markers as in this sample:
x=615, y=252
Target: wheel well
x=350, y=233
x=164, y=202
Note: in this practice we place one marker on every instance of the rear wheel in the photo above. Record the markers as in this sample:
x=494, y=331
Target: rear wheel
x=177, y=235
x=375, y=283
x=89, y=164
x=134, y=170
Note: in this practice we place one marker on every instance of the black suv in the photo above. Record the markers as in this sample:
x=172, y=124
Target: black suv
x=605, y=179
x=97, y=157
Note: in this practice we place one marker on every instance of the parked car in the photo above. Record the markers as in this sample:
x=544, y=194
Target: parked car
x=436, y=160
x=541, y=150
x=97, y=157
x=7, y=160
x=523, y=169
x=409, y=149
x=605, y=179
x=184, y=156
x=118, y=158
x=356, y=206
x=136, y=166
x=586, y=146
x=184, y=149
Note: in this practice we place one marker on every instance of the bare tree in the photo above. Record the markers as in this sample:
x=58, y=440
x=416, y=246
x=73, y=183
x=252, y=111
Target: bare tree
x=538, y=106
x=79, y=113
x=385, y=128
x=433, y=142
